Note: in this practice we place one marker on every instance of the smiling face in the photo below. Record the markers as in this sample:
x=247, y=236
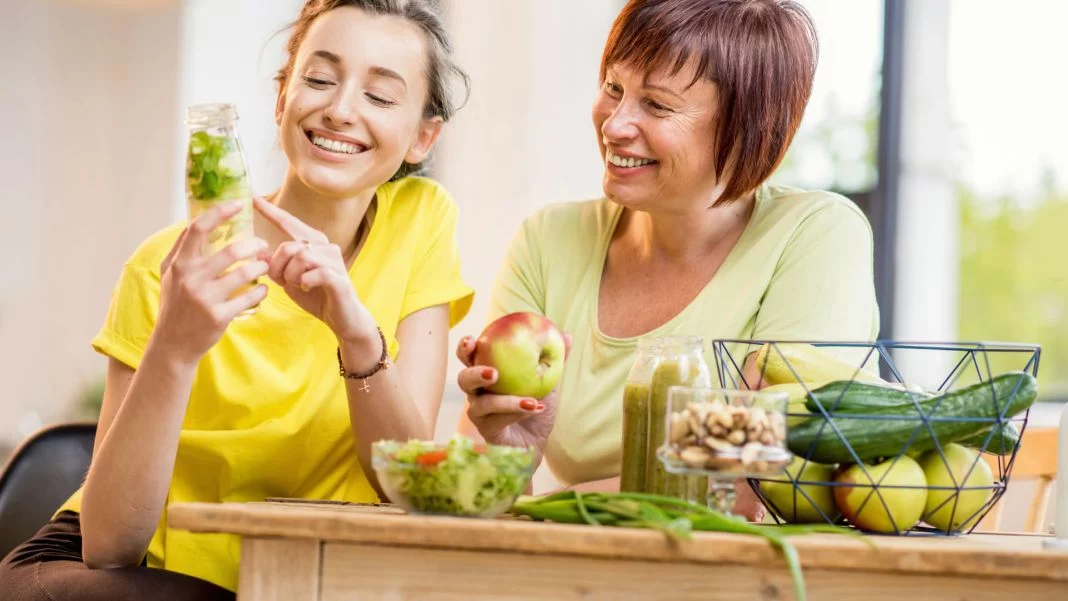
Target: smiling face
x=352, y=109
x=657, y=134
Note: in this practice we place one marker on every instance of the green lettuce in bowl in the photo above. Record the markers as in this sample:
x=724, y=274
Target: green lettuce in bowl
x=460, y=477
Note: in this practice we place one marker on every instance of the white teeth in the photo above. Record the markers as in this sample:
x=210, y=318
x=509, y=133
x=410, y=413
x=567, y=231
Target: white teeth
x=335, y=145
x=619, y=161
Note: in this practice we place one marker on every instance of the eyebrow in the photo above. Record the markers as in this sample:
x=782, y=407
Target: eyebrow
x=663, y=89
x=390, y=73
x=376, y=70
x=329, y=56
x=610, y=72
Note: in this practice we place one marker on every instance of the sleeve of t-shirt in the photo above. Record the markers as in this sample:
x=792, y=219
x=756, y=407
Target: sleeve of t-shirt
x=131, y=315
x=520, y=283
x=435, y=278
x=823, y=286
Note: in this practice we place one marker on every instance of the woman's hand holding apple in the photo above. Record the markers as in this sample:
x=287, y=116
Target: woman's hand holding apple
x=512, y=370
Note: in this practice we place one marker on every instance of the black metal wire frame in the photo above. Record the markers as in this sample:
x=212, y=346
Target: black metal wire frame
x=973, y=356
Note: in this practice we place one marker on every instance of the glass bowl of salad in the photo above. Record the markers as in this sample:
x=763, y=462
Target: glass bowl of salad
x=460, y=477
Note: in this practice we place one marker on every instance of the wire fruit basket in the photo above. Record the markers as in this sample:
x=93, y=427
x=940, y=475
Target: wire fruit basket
x=890, y=437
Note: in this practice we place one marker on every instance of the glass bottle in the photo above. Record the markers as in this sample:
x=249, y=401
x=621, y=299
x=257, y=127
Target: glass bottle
x=217, y=172
x=636, y=393
x=681, y=363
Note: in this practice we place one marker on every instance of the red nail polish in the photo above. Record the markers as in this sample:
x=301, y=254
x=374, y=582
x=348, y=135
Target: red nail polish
x=528, y=405
x=487, y=373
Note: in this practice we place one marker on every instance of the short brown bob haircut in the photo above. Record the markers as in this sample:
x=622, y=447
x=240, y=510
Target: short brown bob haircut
x=761, y=54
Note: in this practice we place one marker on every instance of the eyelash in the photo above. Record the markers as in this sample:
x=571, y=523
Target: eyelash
x=320, y=84
x=380, y=101
x=614, y=90
x=316, y=83
x=656, y=106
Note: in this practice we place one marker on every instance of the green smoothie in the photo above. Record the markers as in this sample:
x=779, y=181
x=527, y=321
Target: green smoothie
x=635, y=437
x=673, y=372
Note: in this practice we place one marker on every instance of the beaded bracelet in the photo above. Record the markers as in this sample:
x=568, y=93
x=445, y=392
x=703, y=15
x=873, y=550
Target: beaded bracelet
x=383, y=363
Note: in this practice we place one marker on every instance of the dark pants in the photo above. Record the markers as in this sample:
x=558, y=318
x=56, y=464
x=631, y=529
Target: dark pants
x=49, y=567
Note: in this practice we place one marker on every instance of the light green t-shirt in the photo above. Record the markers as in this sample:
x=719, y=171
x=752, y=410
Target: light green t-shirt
x=802, y=270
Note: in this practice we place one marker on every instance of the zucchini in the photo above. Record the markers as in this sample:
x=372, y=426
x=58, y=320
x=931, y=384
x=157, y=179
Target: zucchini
x=885, y=432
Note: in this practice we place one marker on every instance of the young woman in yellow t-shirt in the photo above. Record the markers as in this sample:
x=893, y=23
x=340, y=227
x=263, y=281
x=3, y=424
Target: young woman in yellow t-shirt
x=360, y=269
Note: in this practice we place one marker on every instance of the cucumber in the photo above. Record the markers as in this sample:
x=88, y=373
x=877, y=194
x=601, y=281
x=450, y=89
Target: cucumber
x=884, y=432
x=1003, y=442
x=845, y=396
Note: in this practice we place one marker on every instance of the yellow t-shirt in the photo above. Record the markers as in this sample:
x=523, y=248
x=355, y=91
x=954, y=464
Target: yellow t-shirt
x=268, y=415
x=802, y=270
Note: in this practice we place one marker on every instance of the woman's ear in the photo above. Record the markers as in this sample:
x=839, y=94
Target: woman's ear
x=280, y=105
x=429, y=130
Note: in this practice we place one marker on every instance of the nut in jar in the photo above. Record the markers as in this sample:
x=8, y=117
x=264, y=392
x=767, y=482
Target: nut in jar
x=736, y=432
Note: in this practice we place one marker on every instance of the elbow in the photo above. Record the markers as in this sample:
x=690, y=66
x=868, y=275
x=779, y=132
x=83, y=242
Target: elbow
x=97, y=556
x=104, y=550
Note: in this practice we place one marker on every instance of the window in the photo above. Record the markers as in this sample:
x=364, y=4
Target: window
x=1011, y=169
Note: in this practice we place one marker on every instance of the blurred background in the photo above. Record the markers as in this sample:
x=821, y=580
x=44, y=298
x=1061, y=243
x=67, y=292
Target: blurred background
x=943, y=119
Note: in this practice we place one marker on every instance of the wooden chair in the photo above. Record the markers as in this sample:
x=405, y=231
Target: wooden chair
x=1036, y=459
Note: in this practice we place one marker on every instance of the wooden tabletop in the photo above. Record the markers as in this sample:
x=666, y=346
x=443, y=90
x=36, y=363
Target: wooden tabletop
x=989, y=555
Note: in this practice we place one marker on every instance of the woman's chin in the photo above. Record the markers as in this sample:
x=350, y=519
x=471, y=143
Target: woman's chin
x=328, y=182
x=626, y=196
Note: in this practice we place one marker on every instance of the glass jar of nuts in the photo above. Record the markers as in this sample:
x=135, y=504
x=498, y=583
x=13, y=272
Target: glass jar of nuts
x=725, y=435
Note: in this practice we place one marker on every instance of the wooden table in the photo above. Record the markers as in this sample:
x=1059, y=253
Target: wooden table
x=298, y=552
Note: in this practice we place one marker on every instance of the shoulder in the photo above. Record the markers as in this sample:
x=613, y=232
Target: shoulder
x=571, y=223
x=805, y=213
x=414, y=196
x=154, y=249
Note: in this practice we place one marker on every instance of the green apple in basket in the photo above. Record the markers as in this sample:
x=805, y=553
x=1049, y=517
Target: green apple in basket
x=963, y=470
x=889, y=497
x=805, y=504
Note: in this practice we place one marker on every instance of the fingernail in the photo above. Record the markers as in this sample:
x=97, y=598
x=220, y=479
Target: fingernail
x=528, y=405
x=540, y=407
x=487, y=374
x=234, y=204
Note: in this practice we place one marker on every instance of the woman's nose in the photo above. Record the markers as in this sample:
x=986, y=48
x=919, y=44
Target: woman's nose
x=621, y=124
x=342, y=109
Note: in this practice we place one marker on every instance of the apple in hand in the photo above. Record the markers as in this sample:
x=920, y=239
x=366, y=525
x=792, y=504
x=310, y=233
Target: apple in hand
x=526, y=349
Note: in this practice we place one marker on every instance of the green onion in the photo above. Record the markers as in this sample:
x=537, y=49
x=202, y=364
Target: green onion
x=674, y=517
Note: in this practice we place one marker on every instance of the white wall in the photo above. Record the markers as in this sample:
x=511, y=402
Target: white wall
x=92, y=107
x=85, y=104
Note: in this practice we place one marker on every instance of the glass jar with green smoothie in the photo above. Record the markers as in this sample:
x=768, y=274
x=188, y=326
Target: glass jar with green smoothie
x=681, y=363
x=636, y=392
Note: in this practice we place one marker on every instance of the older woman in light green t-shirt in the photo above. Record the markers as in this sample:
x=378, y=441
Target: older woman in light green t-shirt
x=698, y=103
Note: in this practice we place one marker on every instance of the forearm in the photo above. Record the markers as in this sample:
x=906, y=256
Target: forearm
x=380, y=407
x=130, y=476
